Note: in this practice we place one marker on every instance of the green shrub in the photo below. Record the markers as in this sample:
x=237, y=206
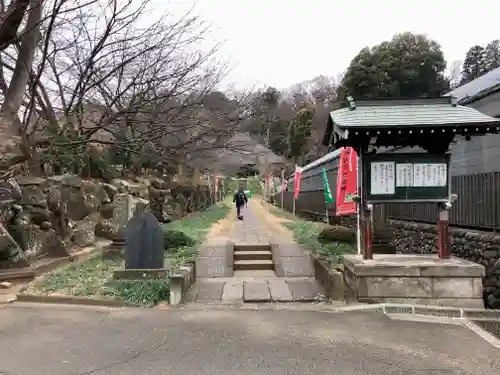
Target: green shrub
x=337, y=233
x=175, y=238
x=138, y=292
x=306, y=234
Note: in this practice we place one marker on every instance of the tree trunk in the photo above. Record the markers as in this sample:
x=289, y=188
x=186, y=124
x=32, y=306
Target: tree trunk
x=24, y=63
x=20, y=79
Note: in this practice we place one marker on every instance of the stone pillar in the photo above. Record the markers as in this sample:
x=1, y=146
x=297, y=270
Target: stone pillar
x=121, y=216
x=367, y=230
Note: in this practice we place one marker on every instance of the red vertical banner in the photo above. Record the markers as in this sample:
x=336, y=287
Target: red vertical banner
x=296, y=182
x=346, y=182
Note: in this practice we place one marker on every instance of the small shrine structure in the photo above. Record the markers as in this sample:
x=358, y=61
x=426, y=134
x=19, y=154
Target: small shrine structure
x=381, y=131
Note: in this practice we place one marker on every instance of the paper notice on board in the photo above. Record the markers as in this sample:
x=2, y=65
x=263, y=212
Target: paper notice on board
x=442, y=174
x=382, y=178
x=430, y=175
x=404, y=175
x=418, y=175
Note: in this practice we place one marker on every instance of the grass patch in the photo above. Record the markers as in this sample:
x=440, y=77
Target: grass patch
x=94, y=277
x=306, y=233
x=283, y=214
x=191, y=232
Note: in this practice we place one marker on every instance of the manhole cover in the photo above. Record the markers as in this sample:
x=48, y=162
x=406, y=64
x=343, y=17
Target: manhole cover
x=490, y=326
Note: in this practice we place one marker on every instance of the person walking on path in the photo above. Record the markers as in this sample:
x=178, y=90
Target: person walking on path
x=240, y=199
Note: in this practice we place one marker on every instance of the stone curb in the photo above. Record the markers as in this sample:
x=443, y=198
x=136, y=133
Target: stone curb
x=331, y=279
x=180, y=282
x=442, y=311
x=69, y=300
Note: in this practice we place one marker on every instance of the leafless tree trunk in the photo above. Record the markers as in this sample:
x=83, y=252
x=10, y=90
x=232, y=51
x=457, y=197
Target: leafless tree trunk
x=20, y=78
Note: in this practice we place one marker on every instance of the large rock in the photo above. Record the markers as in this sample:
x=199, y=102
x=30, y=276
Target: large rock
x=32, y=189
x=84, y=230
x=106, y=228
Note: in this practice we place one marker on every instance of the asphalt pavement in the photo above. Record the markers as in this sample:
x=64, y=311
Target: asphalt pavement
x=57, y=340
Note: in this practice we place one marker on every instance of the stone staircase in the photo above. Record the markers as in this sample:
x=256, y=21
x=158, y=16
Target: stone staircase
x=253, y=257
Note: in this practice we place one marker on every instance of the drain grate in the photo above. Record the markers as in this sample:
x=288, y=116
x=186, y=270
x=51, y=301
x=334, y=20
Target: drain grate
x=490, y=326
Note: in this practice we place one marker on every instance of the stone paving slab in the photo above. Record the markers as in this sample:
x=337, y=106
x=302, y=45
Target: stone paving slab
x=256, y=291
x=239, y=290
x=304, y=290
x=294, y=267
x=210, y=292
x=286, y=250
x=279, y=290
x=213, y=267
x=213, y=250
x=232, y=291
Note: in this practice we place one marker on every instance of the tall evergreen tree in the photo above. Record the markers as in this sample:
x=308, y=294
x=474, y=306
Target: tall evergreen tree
x=474, y=64
x=492, y=55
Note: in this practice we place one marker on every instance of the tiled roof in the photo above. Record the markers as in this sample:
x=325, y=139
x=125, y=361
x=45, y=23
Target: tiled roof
x=479, y=85
x=408, y=115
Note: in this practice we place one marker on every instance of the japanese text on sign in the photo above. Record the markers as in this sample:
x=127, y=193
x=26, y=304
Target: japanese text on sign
x=404, y=175
x=382, y=178
x=430, y=175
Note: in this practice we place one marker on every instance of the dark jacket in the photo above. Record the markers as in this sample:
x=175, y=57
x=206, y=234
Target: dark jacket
x=240, y=198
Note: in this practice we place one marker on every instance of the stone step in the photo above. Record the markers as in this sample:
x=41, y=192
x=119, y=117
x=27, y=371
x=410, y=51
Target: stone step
x=252, y=247
x=253, y=255
x=240, y=265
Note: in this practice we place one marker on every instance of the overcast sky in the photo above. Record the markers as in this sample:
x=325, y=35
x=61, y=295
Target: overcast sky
x=280, y=42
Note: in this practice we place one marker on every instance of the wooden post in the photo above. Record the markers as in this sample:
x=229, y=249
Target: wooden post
x=369, y=235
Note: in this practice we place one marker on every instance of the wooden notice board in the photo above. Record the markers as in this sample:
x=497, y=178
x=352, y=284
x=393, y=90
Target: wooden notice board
x=406, y=177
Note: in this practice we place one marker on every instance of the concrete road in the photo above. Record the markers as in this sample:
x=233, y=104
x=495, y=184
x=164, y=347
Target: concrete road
x=57, y=340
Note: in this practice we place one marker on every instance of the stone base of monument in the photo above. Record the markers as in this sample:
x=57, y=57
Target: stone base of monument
x=415, y=279
x=141, y=274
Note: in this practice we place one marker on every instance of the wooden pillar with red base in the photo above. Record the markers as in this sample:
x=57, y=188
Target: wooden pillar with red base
x=442, y=232
x=368, y=232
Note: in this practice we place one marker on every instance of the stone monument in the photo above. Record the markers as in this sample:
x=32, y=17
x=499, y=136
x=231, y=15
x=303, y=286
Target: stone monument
x=144, y=244
x=144, y=249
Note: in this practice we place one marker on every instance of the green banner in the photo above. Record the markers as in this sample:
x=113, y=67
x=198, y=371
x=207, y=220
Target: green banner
x=328, y=192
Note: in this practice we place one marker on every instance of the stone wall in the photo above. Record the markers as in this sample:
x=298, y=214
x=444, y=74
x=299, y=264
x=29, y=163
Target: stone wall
x=51, y=217
x=478, y=247
x=171, y=201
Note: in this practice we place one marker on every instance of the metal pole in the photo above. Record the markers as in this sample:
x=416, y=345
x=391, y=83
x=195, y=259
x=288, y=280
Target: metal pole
x=293, y=209
x=326, y=213
x=442, y=231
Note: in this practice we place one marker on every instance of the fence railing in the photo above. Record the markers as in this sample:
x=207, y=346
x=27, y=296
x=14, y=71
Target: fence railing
x=477, y=205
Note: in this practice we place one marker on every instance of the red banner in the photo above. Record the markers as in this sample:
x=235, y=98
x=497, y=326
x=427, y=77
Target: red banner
x=296, y=182
x=346, y=182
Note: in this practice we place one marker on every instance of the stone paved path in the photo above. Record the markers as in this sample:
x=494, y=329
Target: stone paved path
x=218, y=284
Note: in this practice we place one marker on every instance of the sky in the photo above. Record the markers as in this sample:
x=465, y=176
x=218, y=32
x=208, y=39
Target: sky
x=280, y=43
